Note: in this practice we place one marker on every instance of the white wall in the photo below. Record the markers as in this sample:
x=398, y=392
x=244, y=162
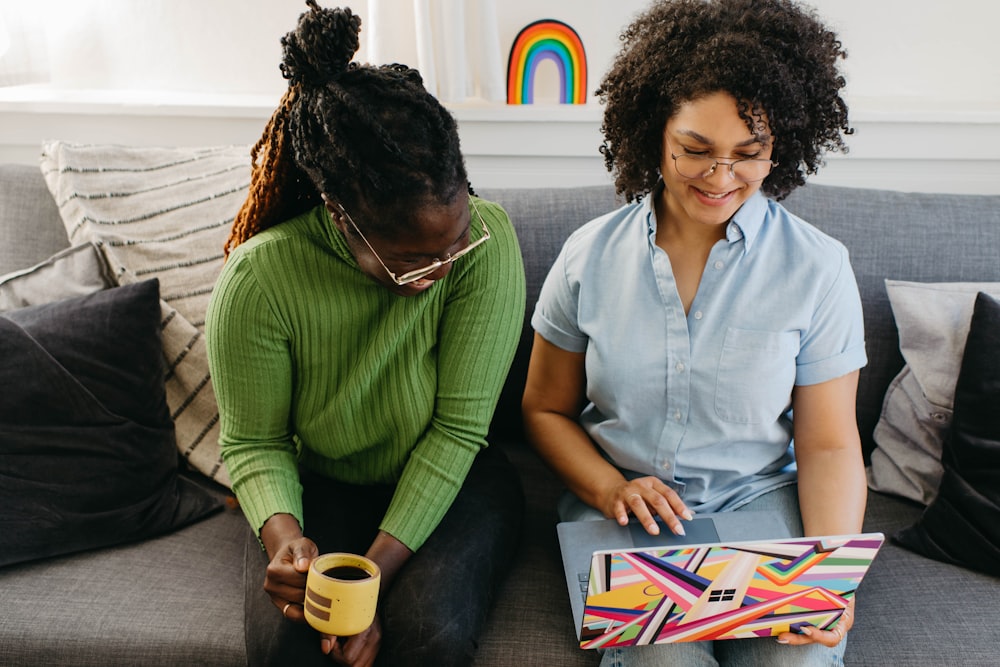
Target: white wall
x=901, y=51
x=923, y=85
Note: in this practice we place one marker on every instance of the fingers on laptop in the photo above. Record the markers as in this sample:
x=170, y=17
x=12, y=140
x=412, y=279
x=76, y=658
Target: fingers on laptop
x=831, y=638
x=643, y=500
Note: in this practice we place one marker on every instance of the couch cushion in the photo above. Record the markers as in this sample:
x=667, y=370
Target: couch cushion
x=542, y=218
x=164, y=213
x=87, y=453
x=176, y=599
x=933, y=322
x=923, y=237
x=906, y=597
x=531, y=621
x=962, y=524
x=30, y=227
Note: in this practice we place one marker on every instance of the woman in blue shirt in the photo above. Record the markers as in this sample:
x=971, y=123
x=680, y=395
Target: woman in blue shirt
x=698, y=349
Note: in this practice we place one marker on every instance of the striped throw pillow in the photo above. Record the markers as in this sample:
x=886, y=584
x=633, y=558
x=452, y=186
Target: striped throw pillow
x=161, y=213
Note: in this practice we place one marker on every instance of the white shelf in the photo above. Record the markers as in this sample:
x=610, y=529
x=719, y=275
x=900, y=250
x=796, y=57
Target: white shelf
x=921, y=147
x=48, y=99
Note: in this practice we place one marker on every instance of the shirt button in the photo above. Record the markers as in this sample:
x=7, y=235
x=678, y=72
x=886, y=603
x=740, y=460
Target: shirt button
x=719, y=264
x=698, y=315
x=680, y=367
x=677, y=415
x=666, y=465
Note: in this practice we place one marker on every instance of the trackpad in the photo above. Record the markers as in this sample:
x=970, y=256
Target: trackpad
x=698, y=531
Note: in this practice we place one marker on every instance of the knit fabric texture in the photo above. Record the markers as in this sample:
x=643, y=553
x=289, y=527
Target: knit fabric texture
x=315, y=363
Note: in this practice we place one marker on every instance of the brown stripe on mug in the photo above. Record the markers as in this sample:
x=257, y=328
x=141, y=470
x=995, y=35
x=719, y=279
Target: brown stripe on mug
x=321, y=614
x=318, y=599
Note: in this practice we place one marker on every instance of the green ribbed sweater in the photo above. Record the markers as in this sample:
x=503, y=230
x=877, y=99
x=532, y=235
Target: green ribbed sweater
x=313, y=362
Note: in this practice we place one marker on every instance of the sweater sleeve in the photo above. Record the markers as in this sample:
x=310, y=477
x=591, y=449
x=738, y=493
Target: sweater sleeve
x=252, y=374
x=478, y=334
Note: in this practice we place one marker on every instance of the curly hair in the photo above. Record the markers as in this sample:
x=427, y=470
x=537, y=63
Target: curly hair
x=773, y=56
x=372, y=137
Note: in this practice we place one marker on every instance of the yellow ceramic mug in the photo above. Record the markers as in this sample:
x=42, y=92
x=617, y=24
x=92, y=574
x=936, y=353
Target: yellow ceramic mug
x=341, y=593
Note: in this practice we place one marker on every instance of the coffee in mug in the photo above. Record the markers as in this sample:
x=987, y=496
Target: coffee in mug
x=341, y=593
x=348, y=572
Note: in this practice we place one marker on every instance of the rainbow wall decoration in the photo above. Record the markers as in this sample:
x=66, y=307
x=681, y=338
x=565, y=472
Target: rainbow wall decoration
x=554, y=41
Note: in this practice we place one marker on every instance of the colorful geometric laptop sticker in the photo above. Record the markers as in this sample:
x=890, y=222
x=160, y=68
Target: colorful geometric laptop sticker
x=547, y=40
x=721, y=592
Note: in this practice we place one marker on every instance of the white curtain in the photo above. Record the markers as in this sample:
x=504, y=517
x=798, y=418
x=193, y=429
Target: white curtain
x=23, y=52
x=114, y=44
x=4, y=37
x=454, y=43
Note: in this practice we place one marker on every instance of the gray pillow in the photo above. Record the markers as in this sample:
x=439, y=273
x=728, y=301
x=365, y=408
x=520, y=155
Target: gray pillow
x=72, y=272
x=933, y=323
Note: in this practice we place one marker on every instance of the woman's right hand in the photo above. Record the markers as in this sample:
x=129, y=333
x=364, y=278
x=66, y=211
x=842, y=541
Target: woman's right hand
x=643, y=497
x=290, y=553
x=554, y=395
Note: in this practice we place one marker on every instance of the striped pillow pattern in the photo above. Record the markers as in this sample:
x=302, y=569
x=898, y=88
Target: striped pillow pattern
x=161, y=213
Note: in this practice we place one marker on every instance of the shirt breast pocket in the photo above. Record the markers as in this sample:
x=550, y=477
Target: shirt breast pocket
x=756, y=375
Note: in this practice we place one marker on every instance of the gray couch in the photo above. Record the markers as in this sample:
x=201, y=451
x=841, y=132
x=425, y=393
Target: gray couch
x=91, y=609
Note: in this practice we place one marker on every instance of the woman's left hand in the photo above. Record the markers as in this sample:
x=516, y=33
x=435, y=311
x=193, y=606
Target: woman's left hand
x=358, y=650
x=813, y=635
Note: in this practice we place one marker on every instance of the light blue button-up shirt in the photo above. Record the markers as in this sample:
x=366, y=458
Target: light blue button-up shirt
x=703, y=400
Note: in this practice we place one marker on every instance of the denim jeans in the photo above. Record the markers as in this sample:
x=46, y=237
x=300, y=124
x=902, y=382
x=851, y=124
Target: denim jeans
x=438, y=603
x=764, y=652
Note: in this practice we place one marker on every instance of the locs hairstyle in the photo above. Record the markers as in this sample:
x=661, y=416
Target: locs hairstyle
x=372, y=137
x=773, y=56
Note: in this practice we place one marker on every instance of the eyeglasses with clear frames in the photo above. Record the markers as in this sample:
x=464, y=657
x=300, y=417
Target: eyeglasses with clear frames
x=417, y=274
x=747, y=170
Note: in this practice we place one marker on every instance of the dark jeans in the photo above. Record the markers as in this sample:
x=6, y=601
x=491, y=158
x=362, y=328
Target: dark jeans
x=438, y=602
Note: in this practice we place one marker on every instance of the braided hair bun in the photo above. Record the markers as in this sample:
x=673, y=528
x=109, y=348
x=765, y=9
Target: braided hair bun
x=371, y=136
x=321, y=47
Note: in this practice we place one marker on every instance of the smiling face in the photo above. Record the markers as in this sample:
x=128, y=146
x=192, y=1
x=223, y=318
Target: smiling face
x=434, y=231
x=709, y=126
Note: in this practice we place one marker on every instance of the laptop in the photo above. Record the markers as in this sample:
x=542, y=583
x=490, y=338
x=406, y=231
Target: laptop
x=733, y=575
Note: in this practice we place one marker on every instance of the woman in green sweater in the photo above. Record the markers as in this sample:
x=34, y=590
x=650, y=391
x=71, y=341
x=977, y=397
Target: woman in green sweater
x=359, y=336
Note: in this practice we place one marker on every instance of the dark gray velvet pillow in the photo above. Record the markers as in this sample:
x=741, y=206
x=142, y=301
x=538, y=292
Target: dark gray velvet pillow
x=87, y=450
x=962, y=525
